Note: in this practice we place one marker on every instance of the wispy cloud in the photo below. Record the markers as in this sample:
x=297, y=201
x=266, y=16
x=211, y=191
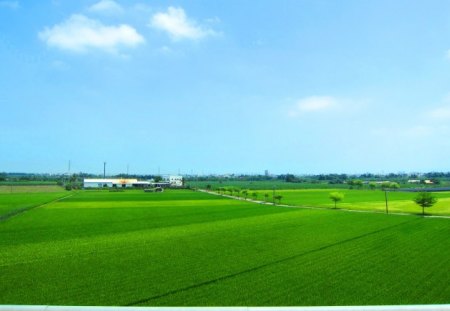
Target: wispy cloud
x=14, y=5
x=109, y=7
x=440, y=112
x=80, y=34
x=418, y=131
x=313, y=104
x=407, y=132
x=178, y=25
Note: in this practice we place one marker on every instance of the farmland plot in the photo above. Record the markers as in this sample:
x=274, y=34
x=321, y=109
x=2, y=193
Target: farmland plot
x=372, y=200
x=186, y=248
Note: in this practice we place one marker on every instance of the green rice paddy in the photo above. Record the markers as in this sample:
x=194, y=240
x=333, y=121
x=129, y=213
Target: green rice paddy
x=185, y=248
x=368, y=200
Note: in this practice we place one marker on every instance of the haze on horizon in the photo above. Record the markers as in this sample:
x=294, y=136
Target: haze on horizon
x=301, y=87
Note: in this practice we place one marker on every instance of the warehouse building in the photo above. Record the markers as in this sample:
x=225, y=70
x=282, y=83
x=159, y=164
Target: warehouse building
x=114, y=183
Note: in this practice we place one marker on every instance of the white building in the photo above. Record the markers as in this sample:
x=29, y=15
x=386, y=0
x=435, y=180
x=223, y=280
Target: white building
x=113, y=183
x=176, y=181
x=414, y=181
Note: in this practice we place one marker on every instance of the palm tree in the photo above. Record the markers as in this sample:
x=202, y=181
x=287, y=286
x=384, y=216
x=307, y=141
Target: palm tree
x=336, y=197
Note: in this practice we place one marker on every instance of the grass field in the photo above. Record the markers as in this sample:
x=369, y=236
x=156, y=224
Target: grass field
x=373, y=200
x=27, y=189
x=24, y=197
x=187, y=248
x=363, y=200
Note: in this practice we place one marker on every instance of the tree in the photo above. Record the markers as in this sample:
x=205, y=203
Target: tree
x=237, y=191
x=245, y=193
x=358, y=183
x=425, y=199
x=372, y=185
x=255, y=195
x=266, y=196
x=385, y=185
x=290, y=178
x=278, y=198
x=350, y=184
x=394, y=185
x=157, y=178
x=208, y=187
x=336, y=197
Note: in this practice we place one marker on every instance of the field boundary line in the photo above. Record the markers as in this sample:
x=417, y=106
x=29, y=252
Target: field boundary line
x=268, y=264
x=320, y=208
x=19, y=211
x=444, y=307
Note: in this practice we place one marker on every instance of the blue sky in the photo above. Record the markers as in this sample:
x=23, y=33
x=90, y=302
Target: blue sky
x=225, y=86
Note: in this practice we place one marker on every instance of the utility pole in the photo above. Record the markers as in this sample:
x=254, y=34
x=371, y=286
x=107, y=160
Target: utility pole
x=386, y=198
x=104, y=169
x=273, y=195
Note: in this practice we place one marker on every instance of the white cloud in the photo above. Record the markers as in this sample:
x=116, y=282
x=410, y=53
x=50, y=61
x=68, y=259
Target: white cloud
x=313, y=104
x=106, y=7
x=14, y=5
x=418, y=131
x=80, y=34
x=440, y=112
x=408, y=132
x=176, y=23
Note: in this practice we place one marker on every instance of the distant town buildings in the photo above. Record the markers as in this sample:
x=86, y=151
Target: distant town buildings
x=418, y=181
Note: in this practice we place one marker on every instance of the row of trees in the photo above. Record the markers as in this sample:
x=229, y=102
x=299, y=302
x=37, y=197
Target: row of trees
x=423, y=199
x=246, y=193
x=357, y=183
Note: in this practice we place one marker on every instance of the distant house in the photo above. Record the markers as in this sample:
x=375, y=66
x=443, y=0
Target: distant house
x=414, y=181
x=113, y=183
x=175, y=181
x=428, y=182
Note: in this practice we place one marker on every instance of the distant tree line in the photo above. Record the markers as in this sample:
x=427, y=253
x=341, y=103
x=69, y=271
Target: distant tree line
x=350, y=179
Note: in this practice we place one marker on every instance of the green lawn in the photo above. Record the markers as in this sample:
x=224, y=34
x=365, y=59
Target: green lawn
x=195, y=249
